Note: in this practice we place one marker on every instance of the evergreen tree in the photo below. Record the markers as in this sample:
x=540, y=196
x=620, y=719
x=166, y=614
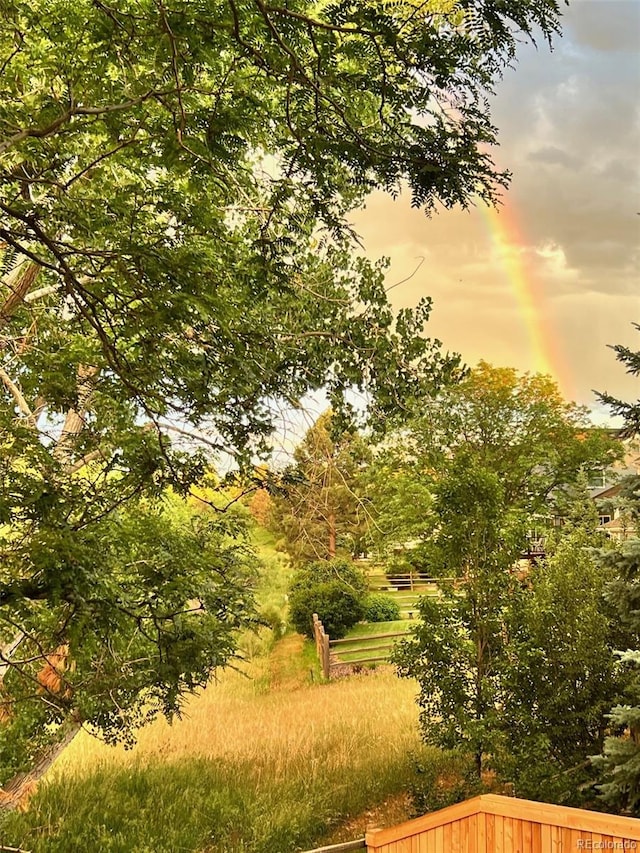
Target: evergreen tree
x=560, y=675
x=619, y=763
x=319, y=512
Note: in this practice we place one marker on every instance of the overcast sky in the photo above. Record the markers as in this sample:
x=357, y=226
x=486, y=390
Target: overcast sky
x=568, y=235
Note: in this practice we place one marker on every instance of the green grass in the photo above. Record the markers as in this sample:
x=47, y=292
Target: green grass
x=271, y=592
x=276, y=573
x=364, y=629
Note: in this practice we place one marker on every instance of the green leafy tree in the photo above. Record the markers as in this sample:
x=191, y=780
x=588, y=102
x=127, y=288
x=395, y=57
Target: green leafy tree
x=560, y=675
x=157, y=593
x=320, y=509
x=491, y=451
x=175, y=180
x=457, y=652
x=517, y=426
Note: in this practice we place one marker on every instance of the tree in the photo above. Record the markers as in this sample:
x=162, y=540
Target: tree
x=516, y=426
x=456, y=652
x=147, y=602
x=318, y=509
x=619, y=762
x=619, y=408
x=492, y=450
x=176, y=260
x=560, y=674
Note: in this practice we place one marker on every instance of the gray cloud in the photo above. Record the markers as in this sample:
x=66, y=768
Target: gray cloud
x=569, y=131
x=605, y=25
x=552, y=156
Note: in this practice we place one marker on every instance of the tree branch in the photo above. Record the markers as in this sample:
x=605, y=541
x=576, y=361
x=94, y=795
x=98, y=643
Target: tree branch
x=17, y=395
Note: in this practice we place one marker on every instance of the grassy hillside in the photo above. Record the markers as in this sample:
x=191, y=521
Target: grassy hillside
x=263, y=764
x=266, y=760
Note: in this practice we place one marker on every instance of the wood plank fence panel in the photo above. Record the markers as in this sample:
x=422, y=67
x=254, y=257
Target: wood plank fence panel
x=491, y=832
x=494, y=824
x=498, y=833
x=455, y=835
x=509, y=834
x=473, y=834
x=482, y=833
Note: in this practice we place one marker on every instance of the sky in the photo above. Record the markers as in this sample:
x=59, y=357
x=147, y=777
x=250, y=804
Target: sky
x=552, y=279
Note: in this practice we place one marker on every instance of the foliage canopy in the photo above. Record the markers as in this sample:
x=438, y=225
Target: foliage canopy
x=491, y=455
x=174, y=182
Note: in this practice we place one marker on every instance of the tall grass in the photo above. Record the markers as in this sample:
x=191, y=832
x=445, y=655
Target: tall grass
x=257, y=765
x=267, y=760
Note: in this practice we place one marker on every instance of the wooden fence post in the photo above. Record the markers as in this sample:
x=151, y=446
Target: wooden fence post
x=326, y=660
x=322, y=646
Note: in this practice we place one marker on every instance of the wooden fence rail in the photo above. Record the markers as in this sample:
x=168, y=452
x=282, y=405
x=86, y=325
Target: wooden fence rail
x=370, y=637
x=324, y=645
x=359, y=844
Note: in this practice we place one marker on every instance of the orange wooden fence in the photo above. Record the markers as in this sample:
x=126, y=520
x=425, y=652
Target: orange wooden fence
x=495, y=824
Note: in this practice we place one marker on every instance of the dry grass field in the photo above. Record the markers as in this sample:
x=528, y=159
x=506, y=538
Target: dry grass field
x=265, y=761
x=273, y=717
x=268, y=759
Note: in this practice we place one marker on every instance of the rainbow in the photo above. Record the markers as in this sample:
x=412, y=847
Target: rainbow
x=509, y=245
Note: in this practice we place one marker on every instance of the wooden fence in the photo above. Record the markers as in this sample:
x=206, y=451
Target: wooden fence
x=325, y=645
x=496, y=824
x=346, y=846
x=322, y=646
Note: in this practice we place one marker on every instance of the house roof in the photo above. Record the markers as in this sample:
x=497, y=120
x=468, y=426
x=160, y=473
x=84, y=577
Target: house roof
x=511, y=807
x=604, y=492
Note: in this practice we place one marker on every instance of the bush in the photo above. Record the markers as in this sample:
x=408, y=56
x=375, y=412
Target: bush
x=380, y=608
x=324, y=571
x=272, y=618
x=445, y=779
x=338, y=606
x=334, y=589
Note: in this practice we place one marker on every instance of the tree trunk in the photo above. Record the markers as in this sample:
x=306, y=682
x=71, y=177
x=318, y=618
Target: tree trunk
x=332, y=535
x=16, y=789
x=74, y=420
x=20, y=786
x=6, y=652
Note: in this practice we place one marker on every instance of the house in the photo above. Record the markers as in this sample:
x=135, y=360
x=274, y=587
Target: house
x=604, y=488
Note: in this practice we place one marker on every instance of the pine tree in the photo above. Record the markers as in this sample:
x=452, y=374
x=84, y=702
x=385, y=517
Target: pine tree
x=619, y=763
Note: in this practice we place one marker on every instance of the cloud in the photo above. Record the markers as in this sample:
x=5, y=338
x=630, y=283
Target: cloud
x=569, y=131
x=552, y=156
x=608, y=25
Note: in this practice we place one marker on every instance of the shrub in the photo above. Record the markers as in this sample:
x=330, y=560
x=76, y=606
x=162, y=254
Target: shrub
x=337, y=605
x=334, y=589
x=272, y=618
x=445, y=778
x=323, y=571
x=380, y=608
